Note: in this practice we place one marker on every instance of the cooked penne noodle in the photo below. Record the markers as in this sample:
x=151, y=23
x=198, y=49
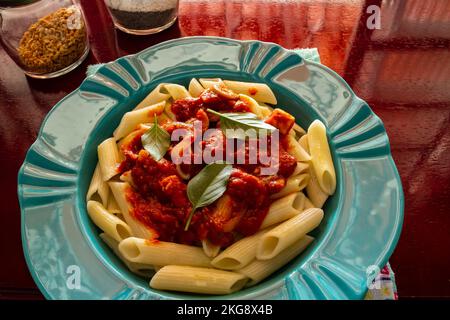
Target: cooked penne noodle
x=296, y=150
x=126, y=177
x=258, y=270
x=162, y=253
x=239, y=254
x=119, y=189
x=157, y=95
x=168, y=111
x=308, y=204
x=314, y=191
x=197, y=280
x=109, y=158
x=283, y=209
x=195, y=88
x=109, y=223
x=128, y=139
x=177, y=91
x=143, y=270
x=302, y=167
x=211, y=250
x=293, y=184
x=132, y=119
x=163, y=118
x=322, y=161
x=157, y=268
x=261, y=92
x=303, y=141
x=264, y=112
x=299, y=130
x=98, y=189
x=113, y=207
x=251, y=104
x=208, y=83
x=287, y=233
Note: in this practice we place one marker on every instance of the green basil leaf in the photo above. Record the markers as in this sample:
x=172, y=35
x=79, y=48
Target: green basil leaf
x=244, y=121
x=156, y=141
x=207, y=186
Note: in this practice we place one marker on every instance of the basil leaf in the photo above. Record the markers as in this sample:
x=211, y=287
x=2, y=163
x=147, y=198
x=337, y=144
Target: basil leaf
x=207, y=186
x=244, y=121
x=156, y=141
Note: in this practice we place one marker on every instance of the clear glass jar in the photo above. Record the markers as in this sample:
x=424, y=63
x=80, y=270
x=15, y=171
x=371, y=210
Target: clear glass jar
x=142, y=17
x=46, y=38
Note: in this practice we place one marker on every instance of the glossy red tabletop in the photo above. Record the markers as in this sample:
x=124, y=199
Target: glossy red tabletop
x=402, y=70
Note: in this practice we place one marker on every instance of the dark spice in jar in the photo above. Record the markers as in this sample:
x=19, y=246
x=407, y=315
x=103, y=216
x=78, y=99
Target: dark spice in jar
x=143, y=15
x=53, y=42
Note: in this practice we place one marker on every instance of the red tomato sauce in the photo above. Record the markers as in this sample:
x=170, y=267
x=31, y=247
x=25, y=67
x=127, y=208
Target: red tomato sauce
x=158, y=193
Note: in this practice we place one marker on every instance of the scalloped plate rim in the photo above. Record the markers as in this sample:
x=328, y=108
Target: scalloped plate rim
x=391, y=162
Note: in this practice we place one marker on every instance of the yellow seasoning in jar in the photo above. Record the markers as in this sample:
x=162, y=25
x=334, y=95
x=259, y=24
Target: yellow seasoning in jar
x=53, y=42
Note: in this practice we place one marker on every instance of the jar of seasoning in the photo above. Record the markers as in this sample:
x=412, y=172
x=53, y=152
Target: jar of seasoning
x=46, y=38
x=142, y=17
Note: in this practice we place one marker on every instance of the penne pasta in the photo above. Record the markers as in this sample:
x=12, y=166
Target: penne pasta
x=109, y=158
x=314, y=191
x=132, y=119
x=119, y=189
x=287, y=233
x=197, y=280
x=113, y=207
x=302, y=167
x=251, y=104
x=210, y=250
x=261, y=92
x=303, y=141
x=299, y=130
x=163, y=118
x=264, y=111
x=157, y=95
x=143, y=270
x=109, y=223
x=308, y=204
x=177, y=91
x=239, y=254
x=126, y=177
x=98, y=189
x=209, y=83
x=162, y=253
x=126, y=141
x=168, y=112
x=321, y=157
x=296, y=150
x=258, y=270
x=283, y=209
x=195, y=88
x=293, y=185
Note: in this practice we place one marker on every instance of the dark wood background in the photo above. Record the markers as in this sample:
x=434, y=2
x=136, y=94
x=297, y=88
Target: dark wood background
x=401, y=70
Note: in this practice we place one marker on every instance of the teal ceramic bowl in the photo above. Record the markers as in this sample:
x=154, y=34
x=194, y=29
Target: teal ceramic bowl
x=362, y=222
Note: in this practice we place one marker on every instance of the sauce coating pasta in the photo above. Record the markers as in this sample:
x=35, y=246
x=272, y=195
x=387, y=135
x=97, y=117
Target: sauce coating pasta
x=164, y=206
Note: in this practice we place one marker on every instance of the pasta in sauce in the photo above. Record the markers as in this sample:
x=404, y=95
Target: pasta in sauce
x=152, y=203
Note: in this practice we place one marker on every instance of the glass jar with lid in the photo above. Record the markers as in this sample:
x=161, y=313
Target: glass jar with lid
x=46, y=38
x=142, y=17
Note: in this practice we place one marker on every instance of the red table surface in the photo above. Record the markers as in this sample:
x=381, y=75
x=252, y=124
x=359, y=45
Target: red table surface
x=401, y=70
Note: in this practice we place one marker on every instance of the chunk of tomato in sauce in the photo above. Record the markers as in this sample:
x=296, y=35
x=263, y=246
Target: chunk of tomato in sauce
x=287, y=163
x=281, y=120
x=185, y=109
x=246, y=188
